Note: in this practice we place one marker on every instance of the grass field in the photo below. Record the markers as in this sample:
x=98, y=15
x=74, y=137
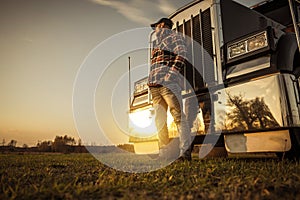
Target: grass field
x=81, y=176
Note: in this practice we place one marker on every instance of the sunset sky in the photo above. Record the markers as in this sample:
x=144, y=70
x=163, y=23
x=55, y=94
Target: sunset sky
x=43, y=45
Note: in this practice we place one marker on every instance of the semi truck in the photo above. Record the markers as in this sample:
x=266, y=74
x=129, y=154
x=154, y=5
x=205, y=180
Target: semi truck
x=244, y=68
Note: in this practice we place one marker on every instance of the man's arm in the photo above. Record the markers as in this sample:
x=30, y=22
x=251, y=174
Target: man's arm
x=180, y=52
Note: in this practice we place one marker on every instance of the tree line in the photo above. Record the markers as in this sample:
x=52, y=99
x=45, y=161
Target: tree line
x=63, y=144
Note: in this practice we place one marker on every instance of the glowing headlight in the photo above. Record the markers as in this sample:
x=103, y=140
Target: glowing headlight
x=142, y=123
x=248, y=45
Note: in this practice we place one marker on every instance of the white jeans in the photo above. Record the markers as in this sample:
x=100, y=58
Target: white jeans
x=169, y=96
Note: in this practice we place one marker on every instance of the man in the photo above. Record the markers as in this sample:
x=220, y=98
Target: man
x=167, y=62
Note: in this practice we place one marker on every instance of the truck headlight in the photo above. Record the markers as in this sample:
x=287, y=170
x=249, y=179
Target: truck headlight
x=257, y=42
x=247, y=45
x=237, y=50
x=142, y=123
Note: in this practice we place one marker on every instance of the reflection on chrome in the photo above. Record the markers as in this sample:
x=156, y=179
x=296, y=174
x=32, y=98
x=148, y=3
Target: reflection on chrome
x=249, y=114
x=268, y=102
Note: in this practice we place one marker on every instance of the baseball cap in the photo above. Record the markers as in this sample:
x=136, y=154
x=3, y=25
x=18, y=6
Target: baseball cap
x=167, y=21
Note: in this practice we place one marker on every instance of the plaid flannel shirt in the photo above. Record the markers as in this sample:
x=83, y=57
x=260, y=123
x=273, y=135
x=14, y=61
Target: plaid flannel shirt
x=167, y=59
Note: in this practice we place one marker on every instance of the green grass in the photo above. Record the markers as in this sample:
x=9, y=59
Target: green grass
x=81, y=176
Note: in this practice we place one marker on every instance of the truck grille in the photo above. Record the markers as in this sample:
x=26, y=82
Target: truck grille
x=200, y=55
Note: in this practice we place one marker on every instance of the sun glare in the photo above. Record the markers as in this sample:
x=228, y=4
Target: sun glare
x=142, y=123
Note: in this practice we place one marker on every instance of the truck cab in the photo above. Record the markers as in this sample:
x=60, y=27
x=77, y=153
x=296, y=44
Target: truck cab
x=243, y=65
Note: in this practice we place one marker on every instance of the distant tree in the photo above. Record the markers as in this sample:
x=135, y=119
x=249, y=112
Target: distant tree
x=58, y=144
x=25, y=146
x=3, y=142
x=79, y=142
x=63, y=144
x=69, y=140
x=12, y=143
x=45, y=146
